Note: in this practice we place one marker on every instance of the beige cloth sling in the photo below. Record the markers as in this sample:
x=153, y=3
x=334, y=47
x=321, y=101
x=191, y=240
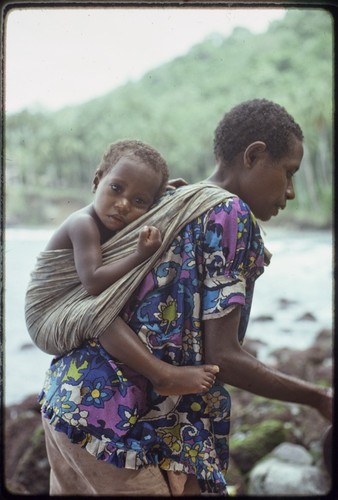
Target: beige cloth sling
x=60, y=314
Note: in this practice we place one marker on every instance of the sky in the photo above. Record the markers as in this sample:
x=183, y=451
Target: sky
x=62, y=56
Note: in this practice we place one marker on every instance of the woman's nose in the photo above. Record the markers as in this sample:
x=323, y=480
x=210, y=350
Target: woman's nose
x=290, y=191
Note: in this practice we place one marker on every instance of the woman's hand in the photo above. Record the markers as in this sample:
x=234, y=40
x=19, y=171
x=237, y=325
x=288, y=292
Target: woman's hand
x=240, y=369
x=176, y=183
x=325, y=404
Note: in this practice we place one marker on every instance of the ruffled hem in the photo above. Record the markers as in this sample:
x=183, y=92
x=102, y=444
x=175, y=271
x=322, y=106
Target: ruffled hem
x=105, y=450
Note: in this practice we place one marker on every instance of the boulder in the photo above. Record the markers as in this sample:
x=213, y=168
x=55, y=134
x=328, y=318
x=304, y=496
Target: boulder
x=250, y=443
x=288, y=470
x=308, y=316
x=26, y=464
x=313, y=364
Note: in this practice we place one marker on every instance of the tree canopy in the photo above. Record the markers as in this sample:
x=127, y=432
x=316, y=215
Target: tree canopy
x=175, y=107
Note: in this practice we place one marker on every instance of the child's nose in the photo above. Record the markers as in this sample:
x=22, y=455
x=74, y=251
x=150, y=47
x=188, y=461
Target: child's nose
x=123, y=204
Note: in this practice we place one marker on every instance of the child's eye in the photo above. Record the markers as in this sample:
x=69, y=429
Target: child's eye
x=140, y=201
x=115, y=187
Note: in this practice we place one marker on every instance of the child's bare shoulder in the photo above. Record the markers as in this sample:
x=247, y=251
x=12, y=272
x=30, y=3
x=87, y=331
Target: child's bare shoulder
x=83, y=215
x=81, y=220
x=77, y=224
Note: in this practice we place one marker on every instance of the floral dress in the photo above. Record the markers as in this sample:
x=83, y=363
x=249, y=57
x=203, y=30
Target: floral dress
x=113, y=412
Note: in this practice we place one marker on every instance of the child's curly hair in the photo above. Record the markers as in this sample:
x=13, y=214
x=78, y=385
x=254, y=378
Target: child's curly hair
x=135, y=149
x=255, y=120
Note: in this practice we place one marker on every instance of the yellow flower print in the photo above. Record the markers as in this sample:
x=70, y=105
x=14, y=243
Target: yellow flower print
x=64, y=404
x=217, y=404
x=193, y=452
x=119, y=376
x=191, y=341
x=172, y=442
x=74, y=371
x=251, y=261
x=241, y=224
x=172, y=437
x=168, y=312
x=215, y=399
x=166, y=464
x=87, y=439
x=128, y=416
x=195, y=406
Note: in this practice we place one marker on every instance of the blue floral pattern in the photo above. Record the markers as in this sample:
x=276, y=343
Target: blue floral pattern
x=113, y=412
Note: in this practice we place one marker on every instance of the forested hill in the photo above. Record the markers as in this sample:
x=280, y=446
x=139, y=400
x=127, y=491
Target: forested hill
x=51, y=156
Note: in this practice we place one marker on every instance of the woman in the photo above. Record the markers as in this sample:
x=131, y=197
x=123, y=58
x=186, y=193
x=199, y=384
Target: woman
x=192, y=308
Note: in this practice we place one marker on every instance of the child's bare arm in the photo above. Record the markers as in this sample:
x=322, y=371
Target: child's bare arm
x=94, y=276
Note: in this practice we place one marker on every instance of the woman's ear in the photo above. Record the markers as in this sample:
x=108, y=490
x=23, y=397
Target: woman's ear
x=96, y=180
x=253, y=153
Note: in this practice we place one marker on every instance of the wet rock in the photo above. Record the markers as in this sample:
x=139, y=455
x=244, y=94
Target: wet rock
x=286, y=303
x=32, y=470
x=324, y=343
x=250, y=443
x=327, y=449
x=313, y=364
x=288, y=470
x=26, y=346
x=305, y=426
x=253, y=346
x=291, y=362
x=307, y=317
x=26, y=465
x=294, y=453
x=263, y=317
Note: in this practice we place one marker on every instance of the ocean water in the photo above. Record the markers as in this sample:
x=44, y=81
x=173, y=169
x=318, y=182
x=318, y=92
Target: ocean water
x=300, y=274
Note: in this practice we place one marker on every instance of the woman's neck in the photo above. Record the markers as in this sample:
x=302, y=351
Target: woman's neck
x=223, y=180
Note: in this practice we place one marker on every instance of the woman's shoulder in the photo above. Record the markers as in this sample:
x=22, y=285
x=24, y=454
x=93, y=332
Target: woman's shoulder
x=233, y=218
x=232, y=206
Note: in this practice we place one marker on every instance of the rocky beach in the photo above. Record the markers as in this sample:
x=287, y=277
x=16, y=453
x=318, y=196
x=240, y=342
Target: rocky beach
x=276, y=448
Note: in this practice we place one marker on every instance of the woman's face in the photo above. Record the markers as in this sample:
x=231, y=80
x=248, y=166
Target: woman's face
x=268, y=184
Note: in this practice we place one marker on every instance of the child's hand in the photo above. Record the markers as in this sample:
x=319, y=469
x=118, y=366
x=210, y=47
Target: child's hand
x=149, y=240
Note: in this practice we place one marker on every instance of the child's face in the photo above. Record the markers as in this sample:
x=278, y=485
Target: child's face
x=269, y=183
x=125, y=192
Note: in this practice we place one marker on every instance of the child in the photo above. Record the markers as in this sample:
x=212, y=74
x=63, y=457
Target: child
x=129, y=179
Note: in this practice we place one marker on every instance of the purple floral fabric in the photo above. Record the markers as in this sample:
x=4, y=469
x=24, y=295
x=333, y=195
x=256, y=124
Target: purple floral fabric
x=113, y=412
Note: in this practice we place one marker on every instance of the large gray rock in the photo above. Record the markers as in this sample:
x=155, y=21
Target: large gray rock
x=288, y=470
x=26, y=464
x=293, y=453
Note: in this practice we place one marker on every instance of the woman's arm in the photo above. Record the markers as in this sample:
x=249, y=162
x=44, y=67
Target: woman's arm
x=94, y=276
x=240, y=369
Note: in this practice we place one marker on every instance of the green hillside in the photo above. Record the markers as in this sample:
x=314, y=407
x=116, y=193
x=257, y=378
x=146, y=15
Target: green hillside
x=51, y=156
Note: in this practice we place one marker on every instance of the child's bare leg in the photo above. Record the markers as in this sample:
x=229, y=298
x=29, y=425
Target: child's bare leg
x=121, y=342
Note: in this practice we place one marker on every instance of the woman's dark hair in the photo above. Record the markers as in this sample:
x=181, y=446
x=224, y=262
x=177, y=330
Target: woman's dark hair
x=255, y=120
